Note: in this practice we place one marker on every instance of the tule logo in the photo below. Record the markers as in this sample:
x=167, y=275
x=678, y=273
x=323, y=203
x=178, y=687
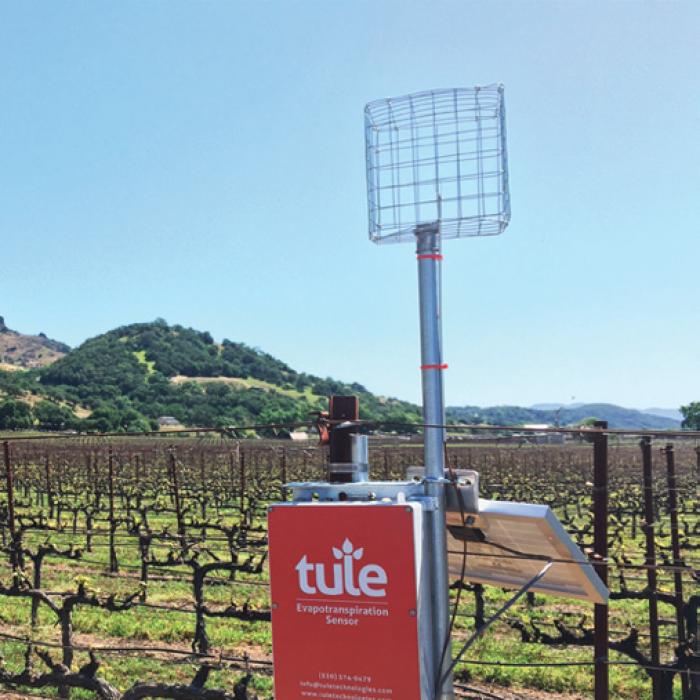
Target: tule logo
x=370, y=580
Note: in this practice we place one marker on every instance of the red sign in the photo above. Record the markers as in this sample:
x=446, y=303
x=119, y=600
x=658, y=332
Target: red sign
x=344, y=602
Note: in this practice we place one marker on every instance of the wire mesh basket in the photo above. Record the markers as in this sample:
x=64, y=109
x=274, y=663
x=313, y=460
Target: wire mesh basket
x=437, y=158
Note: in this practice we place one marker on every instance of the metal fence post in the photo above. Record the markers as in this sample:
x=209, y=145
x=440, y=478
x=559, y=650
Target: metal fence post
x=650, y=560
x=677, y=561
x=15, y=544
x=113, y=563
x=600, y=545
x=283, y=474
x=49, y=491
x=242, y=482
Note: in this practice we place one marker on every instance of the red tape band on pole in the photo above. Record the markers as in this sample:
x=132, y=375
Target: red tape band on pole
x=433, y=366
x=429, y=256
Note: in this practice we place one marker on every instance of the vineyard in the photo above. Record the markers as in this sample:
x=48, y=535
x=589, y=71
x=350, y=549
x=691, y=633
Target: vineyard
x=136, y=567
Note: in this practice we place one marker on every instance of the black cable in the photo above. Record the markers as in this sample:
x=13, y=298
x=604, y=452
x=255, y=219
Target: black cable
x=448, y=636
x=493, y=619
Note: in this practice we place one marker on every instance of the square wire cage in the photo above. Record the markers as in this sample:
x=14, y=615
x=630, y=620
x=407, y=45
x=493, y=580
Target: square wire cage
x=437, y=158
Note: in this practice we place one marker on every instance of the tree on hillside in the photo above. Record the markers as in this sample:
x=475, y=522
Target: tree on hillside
x=52, y=416
x=14, y=384
x=587, y=422
x=691, y=416
x=15, y=415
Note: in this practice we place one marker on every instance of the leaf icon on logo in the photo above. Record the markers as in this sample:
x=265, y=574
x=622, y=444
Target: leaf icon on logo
x=337, y=553
x=347, y=546
x=358, y=553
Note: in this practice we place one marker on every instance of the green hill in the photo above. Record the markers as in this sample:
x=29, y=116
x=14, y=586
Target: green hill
x=128, y=377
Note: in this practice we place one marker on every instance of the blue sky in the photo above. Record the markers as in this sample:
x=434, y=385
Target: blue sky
x=204, y=162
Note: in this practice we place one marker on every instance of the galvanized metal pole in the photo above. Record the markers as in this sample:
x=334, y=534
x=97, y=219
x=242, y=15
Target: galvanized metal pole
x=429, y=257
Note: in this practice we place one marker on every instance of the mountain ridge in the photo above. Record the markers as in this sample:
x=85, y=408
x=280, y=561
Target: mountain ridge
x=616, y=416
x=28, y=351
x=672, y=413
x=128, y=377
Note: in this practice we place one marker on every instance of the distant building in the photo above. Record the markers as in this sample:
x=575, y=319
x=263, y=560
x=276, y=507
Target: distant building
x=539, y=438
x=168, y=422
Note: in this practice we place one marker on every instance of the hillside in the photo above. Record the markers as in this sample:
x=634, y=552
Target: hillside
x=128, y=377
x=672, y=413
x=617, y=416
x=18, y=350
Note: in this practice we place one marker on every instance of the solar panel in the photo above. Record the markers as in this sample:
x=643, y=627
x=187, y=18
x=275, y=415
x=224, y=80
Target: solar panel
x=507, y=544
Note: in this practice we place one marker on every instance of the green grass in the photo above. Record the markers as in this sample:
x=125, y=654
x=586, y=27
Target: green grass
x=253, y=383
x=140, y=355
